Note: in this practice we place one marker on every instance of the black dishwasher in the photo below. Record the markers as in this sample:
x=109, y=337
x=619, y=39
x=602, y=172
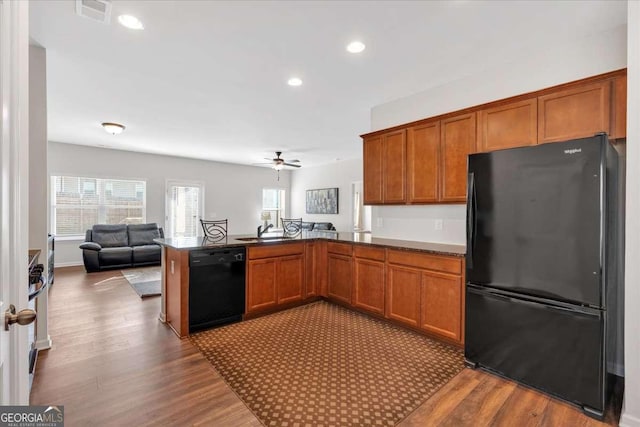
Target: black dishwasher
x=216, y=287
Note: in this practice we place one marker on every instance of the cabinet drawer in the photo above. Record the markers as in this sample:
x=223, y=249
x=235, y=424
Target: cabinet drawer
x=339, y=248
x=368, y=252
x=280, y=249
x=430, y=262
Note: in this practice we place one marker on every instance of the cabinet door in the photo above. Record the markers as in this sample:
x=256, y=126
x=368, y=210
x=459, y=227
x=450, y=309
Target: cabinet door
x=339, y=277
x=619, y=127
x=394, y=167
x=577, y=112
x=369, y=285
x=458, y=138
x=508, y=126
x=403, y=294
x=261, y=284
x=423, y=163
x=441, y=310
x=372, y=170
x=310, y=269
x=290, y=278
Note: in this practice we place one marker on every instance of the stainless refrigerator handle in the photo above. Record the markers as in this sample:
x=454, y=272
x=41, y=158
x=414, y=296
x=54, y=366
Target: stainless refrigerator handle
x=471, y=218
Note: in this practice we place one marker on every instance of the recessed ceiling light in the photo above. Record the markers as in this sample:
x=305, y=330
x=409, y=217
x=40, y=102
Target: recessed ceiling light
x=113, y=128
x=131, y=22
x=294, y=81
x=355, y=47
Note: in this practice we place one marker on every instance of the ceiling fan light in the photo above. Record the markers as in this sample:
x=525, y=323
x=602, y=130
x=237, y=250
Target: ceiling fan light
x=278, y=166
x=113, y=128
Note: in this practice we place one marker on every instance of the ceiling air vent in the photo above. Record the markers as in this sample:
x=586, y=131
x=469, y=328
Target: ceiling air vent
x=98, y=10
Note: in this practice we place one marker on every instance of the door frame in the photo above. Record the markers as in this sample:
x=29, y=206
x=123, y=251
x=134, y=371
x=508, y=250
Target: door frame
x=167, y=200
x=14, y=194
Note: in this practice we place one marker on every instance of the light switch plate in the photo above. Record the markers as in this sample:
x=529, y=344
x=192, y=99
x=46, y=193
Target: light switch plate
x=438, y=224
x=379, y=222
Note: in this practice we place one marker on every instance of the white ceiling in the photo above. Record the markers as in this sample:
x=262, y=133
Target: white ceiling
x=207, y=79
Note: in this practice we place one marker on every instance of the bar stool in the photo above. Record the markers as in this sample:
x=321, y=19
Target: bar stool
x=214, y=230
x=291, y=226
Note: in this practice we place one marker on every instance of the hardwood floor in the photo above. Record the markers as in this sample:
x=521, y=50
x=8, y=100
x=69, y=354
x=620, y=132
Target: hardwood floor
x=114, y=363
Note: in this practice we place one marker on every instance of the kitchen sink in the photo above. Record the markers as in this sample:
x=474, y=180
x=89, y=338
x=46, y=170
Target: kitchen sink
x=263, y=239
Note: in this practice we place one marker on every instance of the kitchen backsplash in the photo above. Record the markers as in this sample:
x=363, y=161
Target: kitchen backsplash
x=431, y=223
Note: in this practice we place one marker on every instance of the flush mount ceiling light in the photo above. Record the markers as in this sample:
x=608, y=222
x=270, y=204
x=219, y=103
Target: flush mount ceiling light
x=355, y=47
x=294, y=81
x=113, y=128
x=130, y=22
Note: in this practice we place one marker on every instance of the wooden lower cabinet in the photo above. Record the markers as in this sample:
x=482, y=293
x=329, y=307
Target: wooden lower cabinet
x=314, y=268
x=290, y=279
x=403, y=294
x=339, y=277
x=441, y=308
x=261, y=284
x=368, y=292
x=275, y=276
x=426, y=291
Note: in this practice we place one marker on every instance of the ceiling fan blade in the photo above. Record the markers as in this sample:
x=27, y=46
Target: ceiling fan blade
x=267, y=163
x=266, y=158
x=293, y=166
x=293, y=161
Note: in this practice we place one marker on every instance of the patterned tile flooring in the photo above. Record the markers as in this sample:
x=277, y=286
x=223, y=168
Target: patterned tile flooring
x=324, y=365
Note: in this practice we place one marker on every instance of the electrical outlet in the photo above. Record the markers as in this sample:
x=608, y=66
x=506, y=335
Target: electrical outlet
x=438, y=224
x=379, y=222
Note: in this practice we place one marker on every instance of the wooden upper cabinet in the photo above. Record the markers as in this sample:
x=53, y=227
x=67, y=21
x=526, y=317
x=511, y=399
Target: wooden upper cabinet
x=508, y=126
x=457, y=141
x=619, y=126
x=578, y=112
x=423, y=163
x=372, y=169
x=394, y=167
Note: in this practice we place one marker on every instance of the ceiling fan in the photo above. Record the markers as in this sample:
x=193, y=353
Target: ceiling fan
x=278, y=163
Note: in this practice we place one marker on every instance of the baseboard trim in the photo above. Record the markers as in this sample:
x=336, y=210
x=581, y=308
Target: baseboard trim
x=628, y=420
x=67, y=264
x=44, y=344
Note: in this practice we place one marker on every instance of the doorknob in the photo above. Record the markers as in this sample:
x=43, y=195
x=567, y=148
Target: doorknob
x=24, y=317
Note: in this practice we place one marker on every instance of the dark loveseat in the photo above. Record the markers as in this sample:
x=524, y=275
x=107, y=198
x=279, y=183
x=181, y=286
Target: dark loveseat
x=121, y=245
x=317, y=226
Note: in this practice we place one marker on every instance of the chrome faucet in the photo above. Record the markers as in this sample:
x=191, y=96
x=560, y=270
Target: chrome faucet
x=261, y=231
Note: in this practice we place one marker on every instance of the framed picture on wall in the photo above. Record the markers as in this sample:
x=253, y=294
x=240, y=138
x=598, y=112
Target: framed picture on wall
x=322, y=201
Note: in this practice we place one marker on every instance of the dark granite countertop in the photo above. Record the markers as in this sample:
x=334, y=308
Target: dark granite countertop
x=192, y=243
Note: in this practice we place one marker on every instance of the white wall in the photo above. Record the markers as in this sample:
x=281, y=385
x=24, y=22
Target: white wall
x=531, y=71
x=231, y=191
x=340, y=174
x=420, y=223
x=38, y=226
x=631, y=409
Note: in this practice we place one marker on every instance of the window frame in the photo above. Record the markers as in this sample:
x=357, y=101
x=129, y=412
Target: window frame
x=283, y=210
x=100, y=206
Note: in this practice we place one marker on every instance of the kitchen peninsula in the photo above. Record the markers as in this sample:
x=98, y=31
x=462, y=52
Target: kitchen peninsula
x=418, y=285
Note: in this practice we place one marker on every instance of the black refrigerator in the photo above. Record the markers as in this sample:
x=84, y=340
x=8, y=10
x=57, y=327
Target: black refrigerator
x=542, y=268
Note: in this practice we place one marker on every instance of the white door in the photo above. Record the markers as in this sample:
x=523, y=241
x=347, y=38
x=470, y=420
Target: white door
x=184, y=207
x=14, y=195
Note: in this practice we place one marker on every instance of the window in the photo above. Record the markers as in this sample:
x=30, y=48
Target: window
x=78, y=203
x=273, y=206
